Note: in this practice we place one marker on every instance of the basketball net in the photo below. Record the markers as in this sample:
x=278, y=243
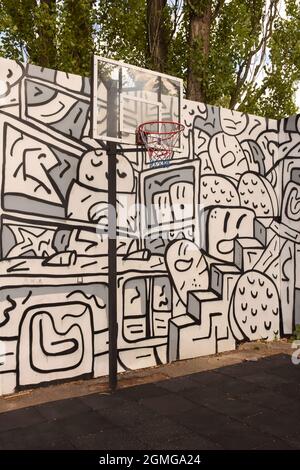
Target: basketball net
x=160, y=138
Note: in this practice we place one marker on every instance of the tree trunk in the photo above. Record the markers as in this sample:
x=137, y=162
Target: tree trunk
x=157, y=35
x=200, y=18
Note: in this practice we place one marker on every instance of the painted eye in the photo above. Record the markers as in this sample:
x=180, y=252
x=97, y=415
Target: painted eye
x=242, y=290
x=244, y=306
x=251, y=281
x=253, y=329
x=254, y=311
x=264, y=307
x=261, y=283
x=254, y=294
x=275, y=312
x=183, y=265
x=245, y=320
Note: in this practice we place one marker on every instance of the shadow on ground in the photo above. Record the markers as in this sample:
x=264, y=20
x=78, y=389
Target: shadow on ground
x=250, y=405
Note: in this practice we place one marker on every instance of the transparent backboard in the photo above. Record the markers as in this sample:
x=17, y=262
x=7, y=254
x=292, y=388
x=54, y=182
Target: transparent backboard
x=125, y=96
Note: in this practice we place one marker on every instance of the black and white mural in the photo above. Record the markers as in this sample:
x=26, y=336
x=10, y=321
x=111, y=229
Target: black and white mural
x=207, y=247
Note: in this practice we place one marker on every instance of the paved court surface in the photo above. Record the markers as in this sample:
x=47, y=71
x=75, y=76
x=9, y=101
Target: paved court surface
x=250, y=405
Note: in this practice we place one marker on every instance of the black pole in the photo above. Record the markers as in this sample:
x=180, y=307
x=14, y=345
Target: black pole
x=112, y=265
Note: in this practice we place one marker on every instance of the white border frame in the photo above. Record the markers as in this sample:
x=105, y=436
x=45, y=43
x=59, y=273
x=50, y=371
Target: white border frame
x=94, y=129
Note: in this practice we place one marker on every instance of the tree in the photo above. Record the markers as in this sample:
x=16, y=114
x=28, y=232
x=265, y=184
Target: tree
x=75, y=35
x=229, y=53
x=157, y=34
x=29, y=30
x=199, y=25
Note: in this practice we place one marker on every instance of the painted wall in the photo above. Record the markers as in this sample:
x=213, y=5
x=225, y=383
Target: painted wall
x=207, y=248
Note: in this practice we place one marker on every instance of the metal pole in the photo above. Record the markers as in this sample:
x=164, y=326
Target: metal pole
x=112, y=266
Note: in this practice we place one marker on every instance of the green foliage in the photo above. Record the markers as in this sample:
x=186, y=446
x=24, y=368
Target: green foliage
x=296, y=335
x=64, y=33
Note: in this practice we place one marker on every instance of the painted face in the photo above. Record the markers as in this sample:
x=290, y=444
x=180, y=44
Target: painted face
x=93, y=171
x=217, y=190
x=10, y=73
x=255, y=308
x=224, y=226
x=187, y=267
x=227, y=155
x=257, y=193
x=233, y=122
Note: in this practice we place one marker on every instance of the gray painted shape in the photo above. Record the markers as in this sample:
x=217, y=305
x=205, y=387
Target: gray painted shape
x=37, y=94
x=64, y=173
x=40, y=72
x=212, y=123
x=74, y=121
x=30, y=206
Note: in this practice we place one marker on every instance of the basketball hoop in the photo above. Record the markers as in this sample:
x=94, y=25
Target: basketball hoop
x=159, y=138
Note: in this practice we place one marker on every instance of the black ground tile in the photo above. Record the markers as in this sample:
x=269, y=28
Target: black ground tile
x=20, y=418
x=243, y=368
x=288, y=372
x=43, y=436
x=277, y=360
x=141, y=391
x=231, y=406
x=277, y=423
x=179, y=383
x=158, y=430
x=168, y=404
x=202, y=420
x=189, y=442
x=90, y=422
x=265, y=380
x=202, y=395
x=111, y=439
x=210, y=378
x=289, y=390
x=131, y=413
x=238, y=436
x=100, y=402
x=273, y=400
x=225, y=383
x=63, y=408
x=240, y=387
